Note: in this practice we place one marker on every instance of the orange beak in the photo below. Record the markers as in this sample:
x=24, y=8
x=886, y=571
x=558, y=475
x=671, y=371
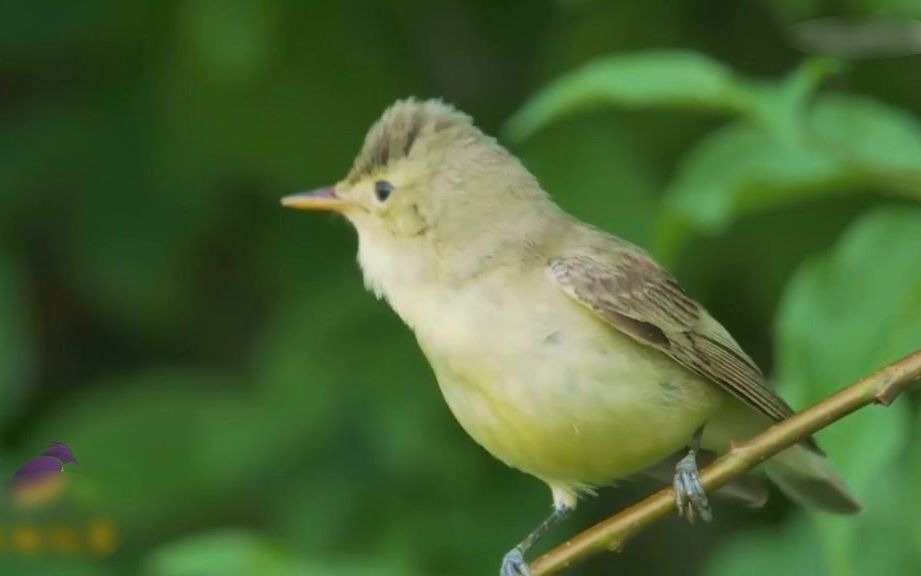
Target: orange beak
x=319, y=199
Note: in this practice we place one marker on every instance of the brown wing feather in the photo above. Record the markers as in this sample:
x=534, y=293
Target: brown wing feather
x=638, y=297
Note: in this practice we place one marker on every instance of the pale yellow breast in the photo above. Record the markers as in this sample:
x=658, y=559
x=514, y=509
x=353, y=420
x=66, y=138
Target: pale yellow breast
x=548, y=388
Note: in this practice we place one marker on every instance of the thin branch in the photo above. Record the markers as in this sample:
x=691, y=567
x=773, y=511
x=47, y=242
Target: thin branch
x=881, y=387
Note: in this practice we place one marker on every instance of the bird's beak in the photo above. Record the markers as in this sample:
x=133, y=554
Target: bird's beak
x=319, y=199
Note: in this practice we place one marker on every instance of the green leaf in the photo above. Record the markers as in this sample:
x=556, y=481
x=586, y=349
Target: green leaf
x=792, y=548
x=842, y=317
x=779, y=107
x=886, y=547
x=741, y=169
x=789, y=549
x=879, y=141
x=220, y=553
x=240, y=553
x=677, y=80
x=857, y=309
x=673, y=79
x=844, y=144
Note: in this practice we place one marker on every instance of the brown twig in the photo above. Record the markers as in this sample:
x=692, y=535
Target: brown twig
x=881, y=387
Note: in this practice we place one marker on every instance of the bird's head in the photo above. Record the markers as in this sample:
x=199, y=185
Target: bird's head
x=424, y=168
x=430, y=190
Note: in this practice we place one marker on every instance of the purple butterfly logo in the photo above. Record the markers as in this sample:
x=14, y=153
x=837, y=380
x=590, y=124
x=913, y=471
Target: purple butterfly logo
x=40, y=480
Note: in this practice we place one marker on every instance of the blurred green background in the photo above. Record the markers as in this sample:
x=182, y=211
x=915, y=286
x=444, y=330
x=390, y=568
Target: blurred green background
x=244, y=407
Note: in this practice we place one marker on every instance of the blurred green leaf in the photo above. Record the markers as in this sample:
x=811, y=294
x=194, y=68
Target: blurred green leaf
x=779, y=106
x=789, y=549
x=852, y=312
x=843, y=317
x=873, y=542
x=782, y=150
x=226, y=553
x=847, y=144
x=240, y=553
x=16, y=346
x=880, y=142
x=740, y=169
x=884, y=546
x=795, y=547
x=677, y=80
x=674, y=79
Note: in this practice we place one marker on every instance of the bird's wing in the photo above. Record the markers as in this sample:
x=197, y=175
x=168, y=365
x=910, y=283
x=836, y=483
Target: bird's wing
x=631, y=292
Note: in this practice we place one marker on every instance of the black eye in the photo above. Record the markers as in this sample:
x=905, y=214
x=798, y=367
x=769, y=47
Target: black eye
x=382, y=189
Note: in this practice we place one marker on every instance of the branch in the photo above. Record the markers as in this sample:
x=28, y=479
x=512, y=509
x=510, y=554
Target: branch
x=881, y=387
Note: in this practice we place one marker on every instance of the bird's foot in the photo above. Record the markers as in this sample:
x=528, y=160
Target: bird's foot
x=513, y=564
x=689, y=494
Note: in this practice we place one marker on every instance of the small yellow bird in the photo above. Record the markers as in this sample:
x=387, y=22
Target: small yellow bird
x=564, y=351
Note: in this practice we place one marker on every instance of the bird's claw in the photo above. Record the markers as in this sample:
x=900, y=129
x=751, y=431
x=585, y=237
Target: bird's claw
x=689, y=494
x=513, y=564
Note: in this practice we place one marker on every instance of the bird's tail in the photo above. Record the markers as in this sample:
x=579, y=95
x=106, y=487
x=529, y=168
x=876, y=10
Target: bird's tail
x=809, y=478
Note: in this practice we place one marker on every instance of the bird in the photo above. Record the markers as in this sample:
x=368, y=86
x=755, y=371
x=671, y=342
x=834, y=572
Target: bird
x=566, y=352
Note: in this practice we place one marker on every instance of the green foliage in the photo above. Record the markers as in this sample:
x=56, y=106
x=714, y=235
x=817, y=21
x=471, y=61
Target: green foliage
x=675, y=79
x=237, y=553
x=787, y=146
x=217, y=553
x=240, y=405
x=842, y=317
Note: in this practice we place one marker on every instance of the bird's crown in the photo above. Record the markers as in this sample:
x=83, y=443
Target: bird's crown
x=402, y=128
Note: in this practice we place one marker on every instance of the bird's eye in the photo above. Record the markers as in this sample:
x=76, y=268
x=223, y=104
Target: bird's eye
x=382, y=189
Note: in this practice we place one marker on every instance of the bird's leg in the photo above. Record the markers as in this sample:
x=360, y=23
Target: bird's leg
x=513, y=564
x=689, y=494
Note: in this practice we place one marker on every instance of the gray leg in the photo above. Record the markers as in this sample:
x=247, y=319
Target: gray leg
x=689, y=494
x=513, y=564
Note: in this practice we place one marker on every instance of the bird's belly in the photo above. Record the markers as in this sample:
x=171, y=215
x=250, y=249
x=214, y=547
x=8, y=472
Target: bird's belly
x=577, y=406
